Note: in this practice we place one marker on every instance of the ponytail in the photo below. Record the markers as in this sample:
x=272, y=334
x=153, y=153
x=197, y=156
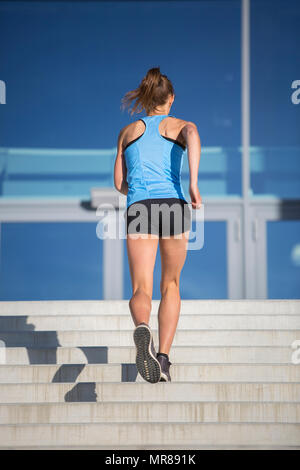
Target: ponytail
x=153, y=91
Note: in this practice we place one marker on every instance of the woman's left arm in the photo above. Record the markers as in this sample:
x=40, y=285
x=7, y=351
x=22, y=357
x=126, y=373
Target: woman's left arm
x=120, y=169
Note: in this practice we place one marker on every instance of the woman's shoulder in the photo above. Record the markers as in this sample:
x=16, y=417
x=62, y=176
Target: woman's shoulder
x=131, y=127
x=183, y=122
x=183, y=125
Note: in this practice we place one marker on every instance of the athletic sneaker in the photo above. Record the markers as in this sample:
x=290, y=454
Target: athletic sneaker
x=146, y=361
x=165, y=366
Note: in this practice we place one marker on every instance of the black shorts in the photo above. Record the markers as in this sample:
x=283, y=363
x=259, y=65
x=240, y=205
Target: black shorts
x=161, y=216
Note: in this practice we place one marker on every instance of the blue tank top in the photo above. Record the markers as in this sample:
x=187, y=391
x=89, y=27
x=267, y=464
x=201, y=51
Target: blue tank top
x=153, y=164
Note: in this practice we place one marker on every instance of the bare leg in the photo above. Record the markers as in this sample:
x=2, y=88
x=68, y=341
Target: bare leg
x=173, y=255
x=141, y=258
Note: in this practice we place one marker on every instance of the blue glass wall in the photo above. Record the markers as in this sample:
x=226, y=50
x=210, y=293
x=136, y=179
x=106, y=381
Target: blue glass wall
x=67, y=65
x=50, y=261
x=275, y=118
x=283, y=259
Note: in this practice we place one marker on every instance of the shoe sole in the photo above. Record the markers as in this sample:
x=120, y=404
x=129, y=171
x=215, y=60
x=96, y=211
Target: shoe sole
x=147, y=365
x=164, y=378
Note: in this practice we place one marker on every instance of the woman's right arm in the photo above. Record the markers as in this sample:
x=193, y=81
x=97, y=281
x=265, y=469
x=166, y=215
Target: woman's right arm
x=192, y=139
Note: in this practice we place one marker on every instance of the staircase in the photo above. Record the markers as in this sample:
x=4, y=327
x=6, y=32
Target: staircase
x=68, y=377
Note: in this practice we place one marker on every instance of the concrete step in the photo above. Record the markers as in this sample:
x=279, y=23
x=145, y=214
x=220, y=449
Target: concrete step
x=68, y=377
x=144, y=391
x=178, y=411
x=126, y=354
x=123, y=322
x=120, y=307
x=128, y=373
x=136, y=435
x=125, y=338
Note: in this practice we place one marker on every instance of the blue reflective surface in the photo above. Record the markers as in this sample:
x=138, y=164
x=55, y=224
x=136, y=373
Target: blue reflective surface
x=283, y=259
x=68, y=64
x=50, y=261
x=275, y=118
x=54, y=172
x=275, y=171
x=204, y=275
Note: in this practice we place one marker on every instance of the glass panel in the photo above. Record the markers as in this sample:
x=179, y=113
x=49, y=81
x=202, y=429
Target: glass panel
x=50, y=261
x=275, y=98
x=204, y=275
x=283, y=259
x=67, y=103
x=219, y=171
x=58, y=173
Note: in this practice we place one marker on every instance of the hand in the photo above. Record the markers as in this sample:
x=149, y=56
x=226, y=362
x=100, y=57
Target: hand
x=196, y=198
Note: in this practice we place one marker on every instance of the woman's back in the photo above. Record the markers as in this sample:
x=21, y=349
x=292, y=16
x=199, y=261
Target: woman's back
x=154, y=160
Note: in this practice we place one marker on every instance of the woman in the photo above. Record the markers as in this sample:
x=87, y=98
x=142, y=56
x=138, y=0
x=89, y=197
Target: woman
x=147, y=170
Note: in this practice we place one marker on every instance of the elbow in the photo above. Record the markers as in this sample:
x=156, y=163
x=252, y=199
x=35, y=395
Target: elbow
x=191, y=128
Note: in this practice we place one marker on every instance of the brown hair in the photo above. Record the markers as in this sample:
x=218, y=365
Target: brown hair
x=153, y=91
